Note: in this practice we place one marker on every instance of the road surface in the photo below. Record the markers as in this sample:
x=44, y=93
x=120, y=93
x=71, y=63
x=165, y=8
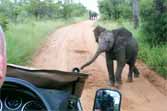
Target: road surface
x=73, y=45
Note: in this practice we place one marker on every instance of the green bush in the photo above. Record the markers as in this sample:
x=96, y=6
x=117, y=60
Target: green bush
x=105, y=9
x=155, y=57
x=78, y=10
x=3, y=21
x=154, y=23
x=19, y=10
x=156, y=28
x=23, y=39
x=115, y=9
x=73, y=10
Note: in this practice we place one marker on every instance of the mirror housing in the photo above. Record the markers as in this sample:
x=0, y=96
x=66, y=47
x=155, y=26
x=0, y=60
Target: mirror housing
x=107, y=100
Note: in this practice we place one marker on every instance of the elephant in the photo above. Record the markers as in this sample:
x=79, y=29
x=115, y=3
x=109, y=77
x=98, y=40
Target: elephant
x=120, y=45
x=93, y=15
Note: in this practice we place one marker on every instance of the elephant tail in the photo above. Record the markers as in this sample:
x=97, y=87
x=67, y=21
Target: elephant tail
x=136, y=72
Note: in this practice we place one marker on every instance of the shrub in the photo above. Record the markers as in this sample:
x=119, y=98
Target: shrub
x=3, y=21
x=115, y=9
x=154, y=23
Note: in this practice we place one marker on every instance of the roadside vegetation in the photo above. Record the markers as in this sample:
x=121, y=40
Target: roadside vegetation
x=28, y=22
x=150, y=30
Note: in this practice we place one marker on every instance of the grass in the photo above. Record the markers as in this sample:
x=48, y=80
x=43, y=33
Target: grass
x=154, y=57
x=25, y=38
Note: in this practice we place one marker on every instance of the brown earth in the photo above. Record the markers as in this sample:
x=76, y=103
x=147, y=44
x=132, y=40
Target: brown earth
x=71, y=46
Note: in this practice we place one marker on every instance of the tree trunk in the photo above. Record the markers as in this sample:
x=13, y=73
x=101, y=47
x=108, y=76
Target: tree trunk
x=136, y=13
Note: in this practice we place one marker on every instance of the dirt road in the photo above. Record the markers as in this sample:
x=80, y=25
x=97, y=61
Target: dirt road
x=71, y=46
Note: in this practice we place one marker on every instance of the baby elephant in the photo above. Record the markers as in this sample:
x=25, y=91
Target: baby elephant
x=118, y=45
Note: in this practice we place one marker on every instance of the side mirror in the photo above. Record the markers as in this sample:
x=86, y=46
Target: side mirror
x=107, y=100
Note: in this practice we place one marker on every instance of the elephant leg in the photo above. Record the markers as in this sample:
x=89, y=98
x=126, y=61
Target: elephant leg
x=110, y=68
x=121, y=61
x=134, y=68
x=136, y=72
x=118, y=74
x=130, y=75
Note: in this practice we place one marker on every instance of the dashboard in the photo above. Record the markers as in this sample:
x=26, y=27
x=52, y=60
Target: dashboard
x=17, y=98
x=20, y=101
x=20, y=95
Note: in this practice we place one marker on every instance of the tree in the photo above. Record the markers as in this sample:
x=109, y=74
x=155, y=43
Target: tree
x=159, y=6
x=154, y=20
x=3, y=21
x=18, y=10
x=136, y=13
x=115, y=9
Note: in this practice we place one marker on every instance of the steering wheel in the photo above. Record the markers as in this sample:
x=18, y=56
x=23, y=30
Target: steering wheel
x=19, y=83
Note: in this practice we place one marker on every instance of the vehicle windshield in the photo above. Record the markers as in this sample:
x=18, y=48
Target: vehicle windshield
x=120, y=43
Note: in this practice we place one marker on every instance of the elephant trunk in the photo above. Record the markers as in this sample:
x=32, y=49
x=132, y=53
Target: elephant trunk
x=98, y=52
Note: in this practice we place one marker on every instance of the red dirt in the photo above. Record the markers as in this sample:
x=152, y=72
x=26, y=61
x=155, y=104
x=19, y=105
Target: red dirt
x=71, y=46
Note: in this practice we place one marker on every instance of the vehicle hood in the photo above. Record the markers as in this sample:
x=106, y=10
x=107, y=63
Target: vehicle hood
x=50, y=79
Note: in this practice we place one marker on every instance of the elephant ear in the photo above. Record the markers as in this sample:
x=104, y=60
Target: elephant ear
x=106, y=41
x=97, y=31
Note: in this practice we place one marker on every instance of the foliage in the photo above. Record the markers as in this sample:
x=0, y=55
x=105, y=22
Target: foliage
x=154, y=22
x=27, y=23
x=115, y=9
x=78, y=10
x=28, y=37
x=3, y=21
x=70, y=10
x=6, y=8
x=39, y=9
x=23, y=39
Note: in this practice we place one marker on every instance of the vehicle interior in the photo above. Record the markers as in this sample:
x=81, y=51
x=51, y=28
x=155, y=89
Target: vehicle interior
x=27, y=89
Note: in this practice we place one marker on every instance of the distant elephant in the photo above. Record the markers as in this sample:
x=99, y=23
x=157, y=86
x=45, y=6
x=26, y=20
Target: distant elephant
x=93, y=15
x=118, y=45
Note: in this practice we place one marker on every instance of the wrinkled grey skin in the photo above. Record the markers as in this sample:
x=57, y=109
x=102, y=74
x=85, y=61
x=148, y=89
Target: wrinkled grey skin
x=118, y=45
